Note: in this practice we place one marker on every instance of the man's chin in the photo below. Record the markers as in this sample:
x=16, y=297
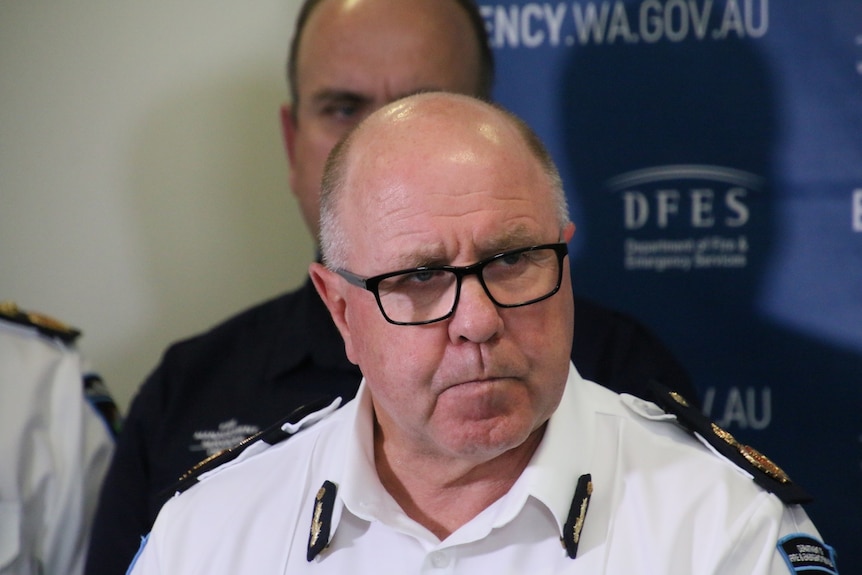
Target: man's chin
x=484, y=436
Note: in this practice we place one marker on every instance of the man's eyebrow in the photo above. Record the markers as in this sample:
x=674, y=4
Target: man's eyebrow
x=519, y=237
x=432, y=256
x=424, y=258
x=328, y=96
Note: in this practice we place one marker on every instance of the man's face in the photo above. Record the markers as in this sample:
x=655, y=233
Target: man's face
x=479, y=383
x=357, y=55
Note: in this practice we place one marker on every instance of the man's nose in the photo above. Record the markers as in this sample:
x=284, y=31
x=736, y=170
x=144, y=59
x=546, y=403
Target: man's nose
x=476, y=318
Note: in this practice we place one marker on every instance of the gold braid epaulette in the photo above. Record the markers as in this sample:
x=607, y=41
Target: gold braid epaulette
x=46, y=325
x=762, y=469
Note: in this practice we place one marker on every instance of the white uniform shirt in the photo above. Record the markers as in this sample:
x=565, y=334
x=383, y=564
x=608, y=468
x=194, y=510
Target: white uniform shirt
x=54, y=452
x=662, y=504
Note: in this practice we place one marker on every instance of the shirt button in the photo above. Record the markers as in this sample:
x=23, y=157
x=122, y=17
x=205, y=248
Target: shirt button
x=439, y=559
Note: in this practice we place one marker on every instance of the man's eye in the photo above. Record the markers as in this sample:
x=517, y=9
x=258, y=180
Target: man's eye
x=424, y=276
x=423, y=281
x=511, y=259
x=342, y=112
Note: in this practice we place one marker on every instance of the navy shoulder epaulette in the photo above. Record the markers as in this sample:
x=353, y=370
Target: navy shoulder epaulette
x=272, y=435
x=765, y=473
x=46, y=325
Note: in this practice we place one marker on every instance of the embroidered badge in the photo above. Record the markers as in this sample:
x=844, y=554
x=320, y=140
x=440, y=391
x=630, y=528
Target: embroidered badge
x=275, y=433
x=805, y=554
x=229, y=434
x=753, y=456
x=679, y=399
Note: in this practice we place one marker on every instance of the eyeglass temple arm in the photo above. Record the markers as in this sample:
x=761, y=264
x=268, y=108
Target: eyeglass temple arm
x=352, y=278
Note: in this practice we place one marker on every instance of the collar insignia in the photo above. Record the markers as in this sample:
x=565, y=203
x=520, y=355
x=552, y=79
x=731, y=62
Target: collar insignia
x=321, y=519
x=577, y=515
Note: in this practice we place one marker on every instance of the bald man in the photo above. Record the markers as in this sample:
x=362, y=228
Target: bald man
x=474, y=445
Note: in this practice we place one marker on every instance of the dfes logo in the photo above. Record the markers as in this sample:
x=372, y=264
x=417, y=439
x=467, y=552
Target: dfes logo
x=699, y=197
x=685, y=217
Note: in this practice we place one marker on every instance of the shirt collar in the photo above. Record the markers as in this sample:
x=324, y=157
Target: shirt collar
x=362, y=492
x=561, y=458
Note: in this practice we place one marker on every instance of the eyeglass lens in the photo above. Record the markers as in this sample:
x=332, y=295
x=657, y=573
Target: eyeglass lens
x=511, y=279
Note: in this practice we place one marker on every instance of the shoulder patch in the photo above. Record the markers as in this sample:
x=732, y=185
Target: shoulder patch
x=298, y=419
x=764, y=471
x=46, y=325
x=805, y=554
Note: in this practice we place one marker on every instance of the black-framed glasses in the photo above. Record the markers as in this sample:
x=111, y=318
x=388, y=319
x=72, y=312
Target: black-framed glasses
x=514, y=278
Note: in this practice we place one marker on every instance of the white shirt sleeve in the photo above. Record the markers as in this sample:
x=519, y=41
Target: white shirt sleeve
x=55, y=450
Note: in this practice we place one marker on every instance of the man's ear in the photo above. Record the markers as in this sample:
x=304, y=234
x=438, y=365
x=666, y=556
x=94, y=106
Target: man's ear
x=330, y=285
x=288, y=134
x=568, y=232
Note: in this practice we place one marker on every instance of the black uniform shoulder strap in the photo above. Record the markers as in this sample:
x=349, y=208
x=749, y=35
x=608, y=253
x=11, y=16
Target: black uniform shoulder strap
x=271, y=435
x=765, y=473
x=44, y=324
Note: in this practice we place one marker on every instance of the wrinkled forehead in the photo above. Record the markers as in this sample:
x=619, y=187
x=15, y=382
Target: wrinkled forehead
x=444, y=180
x=447, y=229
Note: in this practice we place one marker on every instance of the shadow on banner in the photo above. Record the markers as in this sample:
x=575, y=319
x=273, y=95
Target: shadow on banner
x=670, y=147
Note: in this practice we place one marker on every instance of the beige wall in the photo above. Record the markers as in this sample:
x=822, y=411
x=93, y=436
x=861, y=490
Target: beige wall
x=143, y=192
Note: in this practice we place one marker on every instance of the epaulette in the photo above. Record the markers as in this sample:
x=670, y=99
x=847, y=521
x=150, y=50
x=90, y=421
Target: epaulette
x=46, y=325
x=764, y=472
x=272, y=435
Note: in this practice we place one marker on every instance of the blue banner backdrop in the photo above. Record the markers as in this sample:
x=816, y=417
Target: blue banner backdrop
x=712, y=155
